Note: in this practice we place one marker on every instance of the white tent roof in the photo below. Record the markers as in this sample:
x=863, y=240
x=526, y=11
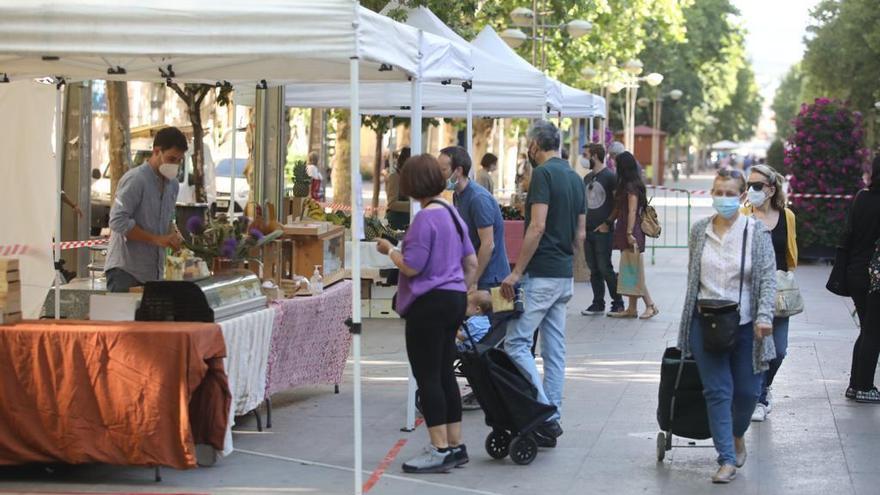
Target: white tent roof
x=499, y=89
x=275, y=40
x=489, y=41
x=580, y=104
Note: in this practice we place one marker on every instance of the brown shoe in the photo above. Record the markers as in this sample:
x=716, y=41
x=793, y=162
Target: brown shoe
x=725, y=474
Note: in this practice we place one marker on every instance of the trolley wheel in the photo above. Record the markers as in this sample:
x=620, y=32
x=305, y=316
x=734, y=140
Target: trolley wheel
x=523, y=449
x=661, y=446
x=498, y=444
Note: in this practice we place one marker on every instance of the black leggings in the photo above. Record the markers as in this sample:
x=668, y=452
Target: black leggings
x=431, y=324
x=867, y=346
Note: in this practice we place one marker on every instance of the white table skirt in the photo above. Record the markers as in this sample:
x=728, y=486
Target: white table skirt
x=247, y=354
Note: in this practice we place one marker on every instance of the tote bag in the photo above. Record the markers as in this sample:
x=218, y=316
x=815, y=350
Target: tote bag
x=631, y=281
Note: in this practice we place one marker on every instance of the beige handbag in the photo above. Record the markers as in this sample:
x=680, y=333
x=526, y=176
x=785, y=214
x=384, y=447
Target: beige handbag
x=788, y=296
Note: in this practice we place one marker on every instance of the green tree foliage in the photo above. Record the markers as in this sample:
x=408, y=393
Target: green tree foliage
x=776, y=156
x=842, y=59
x=787, y=101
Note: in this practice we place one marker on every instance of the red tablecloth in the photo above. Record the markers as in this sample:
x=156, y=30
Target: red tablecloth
x=127, y=393
x=310, y=341
x=514, y=231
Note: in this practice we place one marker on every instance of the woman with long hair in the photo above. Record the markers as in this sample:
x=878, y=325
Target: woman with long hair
x=631, y=199
x=766, y=202
x=860, y=241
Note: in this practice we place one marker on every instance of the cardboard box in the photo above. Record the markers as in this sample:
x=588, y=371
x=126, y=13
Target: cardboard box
x=8, y=265
x=383, y=292
x=381, y=308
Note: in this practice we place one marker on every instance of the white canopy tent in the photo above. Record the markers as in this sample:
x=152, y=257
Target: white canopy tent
x=260, y=40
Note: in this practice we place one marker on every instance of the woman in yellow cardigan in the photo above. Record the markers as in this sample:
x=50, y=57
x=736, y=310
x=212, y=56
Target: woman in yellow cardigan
x=766, y=201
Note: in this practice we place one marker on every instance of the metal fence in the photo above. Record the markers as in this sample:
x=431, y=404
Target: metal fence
x=674, y=211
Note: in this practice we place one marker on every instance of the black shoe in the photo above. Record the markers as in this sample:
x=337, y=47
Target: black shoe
x=470, y=403
x=868, y=396
x=460, y=455
x=550, y=429
x=617, y=307
x=543, y=440
x=595, y=309
x=850, y=393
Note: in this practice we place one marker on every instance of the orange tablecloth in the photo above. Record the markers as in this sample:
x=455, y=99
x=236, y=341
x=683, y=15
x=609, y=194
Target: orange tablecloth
x=127, y=393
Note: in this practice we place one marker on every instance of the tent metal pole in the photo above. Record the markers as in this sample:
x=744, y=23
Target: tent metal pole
x=59, y=162
x=232, y=169
x=415, y=127
x=357, y=233
x=469, y=130
x=590, y=131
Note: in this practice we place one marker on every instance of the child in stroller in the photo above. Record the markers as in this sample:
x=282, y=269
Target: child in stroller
x=479, y=309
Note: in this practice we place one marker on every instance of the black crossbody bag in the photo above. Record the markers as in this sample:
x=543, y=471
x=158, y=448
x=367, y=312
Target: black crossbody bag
x=719, y=318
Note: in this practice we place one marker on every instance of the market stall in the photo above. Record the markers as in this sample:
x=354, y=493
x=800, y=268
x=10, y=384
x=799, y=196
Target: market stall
x=261, y=40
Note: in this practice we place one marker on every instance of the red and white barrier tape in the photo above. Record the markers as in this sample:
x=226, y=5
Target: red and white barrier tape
x=22, y=249
x=347, y=207
x=702, y=192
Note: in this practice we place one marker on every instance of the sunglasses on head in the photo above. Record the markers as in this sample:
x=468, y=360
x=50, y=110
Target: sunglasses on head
x=725, y=172
x=758, y=186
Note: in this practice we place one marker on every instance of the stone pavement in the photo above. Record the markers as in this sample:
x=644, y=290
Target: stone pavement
x=815, y=441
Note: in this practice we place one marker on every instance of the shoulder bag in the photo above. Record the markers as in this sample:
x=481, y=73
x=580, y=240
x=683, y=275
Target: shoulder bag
x=719, y=318
x=837, y=278
x=651, y=222
x=789, y=301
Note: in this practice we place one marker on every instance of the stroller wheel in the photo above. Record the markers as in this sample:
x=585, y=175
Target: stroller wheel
x=498, y=444
x=523, y=449
x=661, y=446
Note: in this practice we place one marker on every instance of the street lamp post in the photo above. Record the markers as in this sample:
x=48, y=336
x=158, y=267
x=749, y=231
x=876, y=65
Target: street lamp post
x=631, y=82
x=524, y=18
x=674, y=95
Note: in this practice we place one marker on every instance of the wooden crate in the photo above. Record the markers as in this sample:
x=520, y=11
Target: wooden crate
x=307, y=245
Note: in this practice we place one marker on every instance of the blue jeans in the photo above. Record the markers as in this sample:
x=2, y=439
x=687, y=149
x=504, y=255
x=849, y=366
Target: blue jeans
x=730, y=386
x=545, y=305
x=780, y=338
x=597, y=251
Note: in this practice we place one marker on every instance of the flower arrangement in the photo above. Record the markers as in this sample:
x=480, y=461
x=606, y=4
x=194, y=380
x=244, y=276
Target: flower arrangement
x=824, y=156
x=221, y=238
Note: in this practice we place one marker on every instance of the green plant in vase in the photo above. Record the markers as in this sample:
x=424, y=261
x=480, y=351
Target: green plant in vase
x=220, y=238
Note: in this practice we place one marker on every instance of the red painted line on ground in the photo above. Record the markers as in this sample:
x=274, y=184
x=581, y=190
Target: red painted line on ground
x=376, y=475
x=389, y=458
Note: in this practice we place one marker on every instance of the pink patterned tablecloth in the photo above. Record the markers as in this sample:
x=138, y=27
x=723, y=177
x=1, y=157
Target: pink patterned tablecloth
x=310, y=341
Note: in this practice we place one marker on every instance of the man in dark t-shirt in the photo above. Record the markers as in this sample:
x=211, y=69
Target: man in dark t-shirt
x=600, y=184
x=555, y=221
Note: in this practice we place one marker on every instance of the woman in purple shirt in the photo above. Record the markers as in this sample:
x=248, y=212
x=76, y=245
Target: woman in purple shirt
x=437, y=265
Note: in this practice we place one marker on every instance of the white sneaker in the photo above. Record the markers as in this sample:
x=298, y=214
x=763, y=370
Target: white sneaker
x=769, y=405
x=760, y=413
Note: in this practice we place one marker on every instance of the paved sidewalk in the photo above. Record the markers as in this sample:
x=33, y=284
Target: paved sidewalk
x=815, y=441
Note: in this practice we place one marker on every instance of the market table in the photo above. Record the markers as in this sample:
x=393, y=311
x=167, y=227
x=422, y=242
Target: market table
x=310, y=342
x=127, y=393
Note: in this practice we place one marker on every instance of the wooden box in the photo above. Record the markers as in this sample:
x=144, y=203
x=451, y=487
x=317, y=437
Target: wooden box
x=10, y=291
x=307, y=245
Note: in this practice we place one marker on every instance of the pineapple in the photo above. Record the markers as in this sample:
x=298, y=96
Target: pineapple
x=301, y=180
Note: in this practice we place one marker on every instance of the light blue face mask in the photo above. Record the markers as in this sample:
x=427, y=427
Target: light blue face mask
x=726, y=206
x=450, y=184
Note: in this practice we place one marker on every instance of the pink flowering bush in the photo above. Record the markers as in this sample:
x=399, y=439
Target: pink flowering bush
x=825, y=156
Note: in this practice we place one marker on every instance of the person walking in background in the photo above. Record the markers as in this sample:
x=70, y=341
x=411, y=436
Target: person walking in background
x=860, y=241
x=555, y=219
x=766, y=202
x=398, y=204
x=481, y=213
x=630, y=199
x=731, y=258
x=313, y=170
x=437, y=265
x=484, y=176
x=600, y=183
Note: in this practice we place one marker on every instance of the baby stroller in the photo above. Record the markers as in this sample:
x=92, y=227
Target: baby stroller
x=681, y=408
x=508, y=399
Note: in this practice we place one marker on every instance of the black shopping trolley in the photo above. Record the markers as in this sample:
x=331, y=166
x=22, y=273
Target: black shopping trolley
x=681, y=409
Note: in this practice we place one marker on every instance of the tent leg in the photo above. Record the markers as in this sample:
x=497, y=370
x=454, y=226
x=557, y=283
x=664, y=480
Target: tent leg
x=469, y=136
x=357, y=233
x=59, y=162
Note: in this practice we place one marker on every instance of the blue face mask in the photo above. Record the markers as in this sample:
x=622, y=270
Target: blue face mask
x=450, y=184
x=726, y=206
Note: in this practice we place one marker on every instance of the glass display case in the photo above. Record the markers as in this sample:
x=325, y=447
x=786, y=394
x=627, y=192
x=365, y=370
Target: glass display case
x=307, y=245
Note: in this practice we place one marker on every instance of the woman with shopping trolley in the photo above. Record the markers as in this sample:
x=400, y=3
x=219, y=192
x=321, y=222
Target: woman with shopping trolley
x=728, y=315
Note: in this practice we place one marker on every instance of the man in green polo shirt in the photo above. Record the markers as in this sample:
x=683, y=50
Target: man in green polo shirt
x=555, y=224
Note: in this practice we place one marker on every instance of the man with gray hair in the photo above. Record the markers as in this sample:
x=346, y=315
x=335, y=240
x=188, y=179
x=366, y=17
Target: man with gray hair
x=555, y=223
x=615, y=149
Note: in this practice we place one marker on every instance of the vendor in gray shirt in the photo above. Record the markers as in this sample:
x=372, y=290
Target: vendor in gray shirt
x=142, y=214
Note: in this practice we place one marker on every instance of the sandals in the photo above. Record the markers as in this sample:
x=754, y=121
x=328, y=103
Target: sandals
x=650, y=312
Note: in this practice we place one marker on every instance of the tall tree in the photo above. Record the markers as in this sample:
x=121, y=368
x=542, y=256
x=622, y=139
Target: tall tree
x=120, y=134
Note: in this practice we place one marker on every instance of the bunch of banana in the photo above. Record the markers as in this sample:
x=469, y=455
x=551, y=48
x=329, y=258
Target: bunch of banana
x=314, y=210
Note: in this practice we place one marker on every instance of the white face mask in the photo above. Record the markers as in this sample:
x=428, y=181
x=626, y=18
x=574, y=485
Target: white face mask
x=757, y=198
x=169, y=170
x=584, y=162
